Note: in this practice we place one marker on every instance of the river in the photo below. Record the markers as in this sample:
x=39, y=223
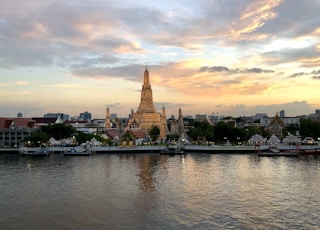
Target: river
x=152, y=191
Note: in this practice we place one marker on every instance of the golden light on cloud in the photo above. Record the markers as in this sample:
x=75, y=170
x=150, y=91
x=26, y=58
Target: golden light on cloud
x=254, y=17
x=22, y=83
x=310, y=62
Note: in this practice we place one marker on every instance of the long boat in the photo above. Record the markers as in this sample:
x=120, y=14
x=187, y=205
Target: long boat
x=33, y=151
x=77, y=151
x=172, y=150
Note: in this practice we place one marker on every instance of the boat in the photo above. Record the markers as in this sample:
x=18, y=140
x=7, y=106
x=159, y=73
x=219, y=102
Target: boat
x=77, y=151
x=172, y=150
x=34, y=151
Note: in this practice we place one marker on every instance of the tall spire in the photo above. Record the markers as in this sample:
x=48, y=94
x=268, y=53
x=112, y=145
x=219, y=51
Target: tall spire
x=107, y=121
x=146, y=102
x=181, y=129
x=146, y=83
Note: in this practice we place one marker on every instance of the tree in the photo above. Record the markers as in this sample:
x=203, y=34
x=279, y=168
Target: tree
x=309, y=128
x=223, y=130
x=202, y=130
x=82, y=137
x=36, y=138
x=127, y=136
x=59, y=131
x=154, y=132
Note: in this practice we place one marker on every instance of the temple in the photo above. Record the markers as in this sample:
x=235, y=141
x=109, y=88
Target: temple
x=147, y=115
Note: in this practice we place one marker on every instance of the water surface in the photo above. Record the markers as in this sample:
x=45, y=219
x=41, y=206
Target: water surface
x=152, y=191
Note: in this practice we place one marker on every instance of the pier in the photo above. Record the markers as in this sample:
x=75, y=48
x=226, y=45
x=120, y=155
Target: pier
x=261, y=150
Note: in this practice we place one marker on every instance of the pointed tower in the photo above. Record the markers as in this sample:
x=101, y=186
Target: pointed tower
x=163, y=124
x=181, y=129
x=107, y=121
x=147, y=115
x=146, y=100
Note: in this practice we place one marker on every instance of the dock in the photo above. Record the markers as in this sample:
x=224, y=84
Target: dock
x=263, y=150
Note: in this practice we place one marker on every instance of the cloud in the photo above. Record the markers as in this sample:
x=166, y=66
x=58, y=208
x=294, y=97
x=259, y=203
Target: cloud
x=232, y=71
x=314, y=74
x=114, y=105
x=290, y=108
x=254, y=17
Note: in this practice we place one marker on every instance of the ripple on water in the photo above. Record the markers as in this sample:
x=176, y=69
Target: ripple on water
x=149, y=191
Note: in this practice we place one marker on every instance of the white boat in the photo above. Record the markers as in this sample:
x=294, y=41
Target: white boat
x=77, y=151
x=33, y=151
x=172, y=150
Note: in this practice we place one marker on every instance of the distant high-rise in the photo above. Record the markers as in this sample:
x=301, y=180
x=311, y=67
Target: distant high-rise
x=63, y=116
x=19, y=114
x=282, y=114
x=85, y=116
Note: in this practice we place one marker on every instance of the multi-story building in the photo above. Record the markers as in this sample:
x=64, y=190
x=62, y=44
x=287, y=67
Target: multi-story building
x=85, y=116
x=63, y=116
x=14, y=130
x=265, y=121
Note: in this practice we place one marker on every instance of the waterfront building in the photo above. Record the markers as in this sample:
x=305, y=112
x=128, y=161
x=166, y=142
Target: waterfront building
x=146, y=115
x=14, y=130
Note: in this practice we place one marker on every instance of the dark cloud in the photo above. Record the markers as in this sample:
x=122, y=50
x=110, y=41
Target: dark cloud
x=314, y=74
x=229, y=82
x=114, y=105
x=297, y=74
x=236, y=70
x=292, y=20
x=130, y=72
x=291, y=55
x=290, y=109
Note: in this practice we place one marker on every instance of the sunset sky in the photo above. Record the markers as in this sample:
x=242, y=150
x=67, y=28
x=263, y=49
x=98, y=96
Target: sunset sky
x=227, y=57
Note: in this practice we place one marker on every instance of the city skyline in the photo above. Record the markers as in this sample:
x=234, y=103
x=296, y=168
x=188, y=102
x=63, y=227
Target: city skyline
x=232, y=57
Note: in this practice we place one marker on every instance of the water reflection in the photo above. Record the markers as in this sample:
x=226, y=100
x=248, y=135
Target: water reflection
x=147, y=167
x=150, y=191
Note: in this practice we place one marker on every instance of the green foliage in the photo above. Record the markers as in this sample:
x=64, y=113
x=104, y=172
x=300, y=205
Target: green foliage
x=127, y=136
x=173, y=137
x=252, y=130
x=154, y=132
x=82, y=137
x=59, y=131
x=36, y=138
x=202, y=131
x=309, y=128
x=292, y=129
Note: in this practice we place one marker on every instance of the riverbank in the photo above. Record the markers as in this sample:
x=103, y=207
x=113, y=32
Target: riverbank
x=263, y=150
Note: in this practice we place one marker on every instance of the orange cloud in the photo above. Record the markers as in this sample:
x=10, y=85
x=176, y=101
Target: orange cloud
x=253, y=17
